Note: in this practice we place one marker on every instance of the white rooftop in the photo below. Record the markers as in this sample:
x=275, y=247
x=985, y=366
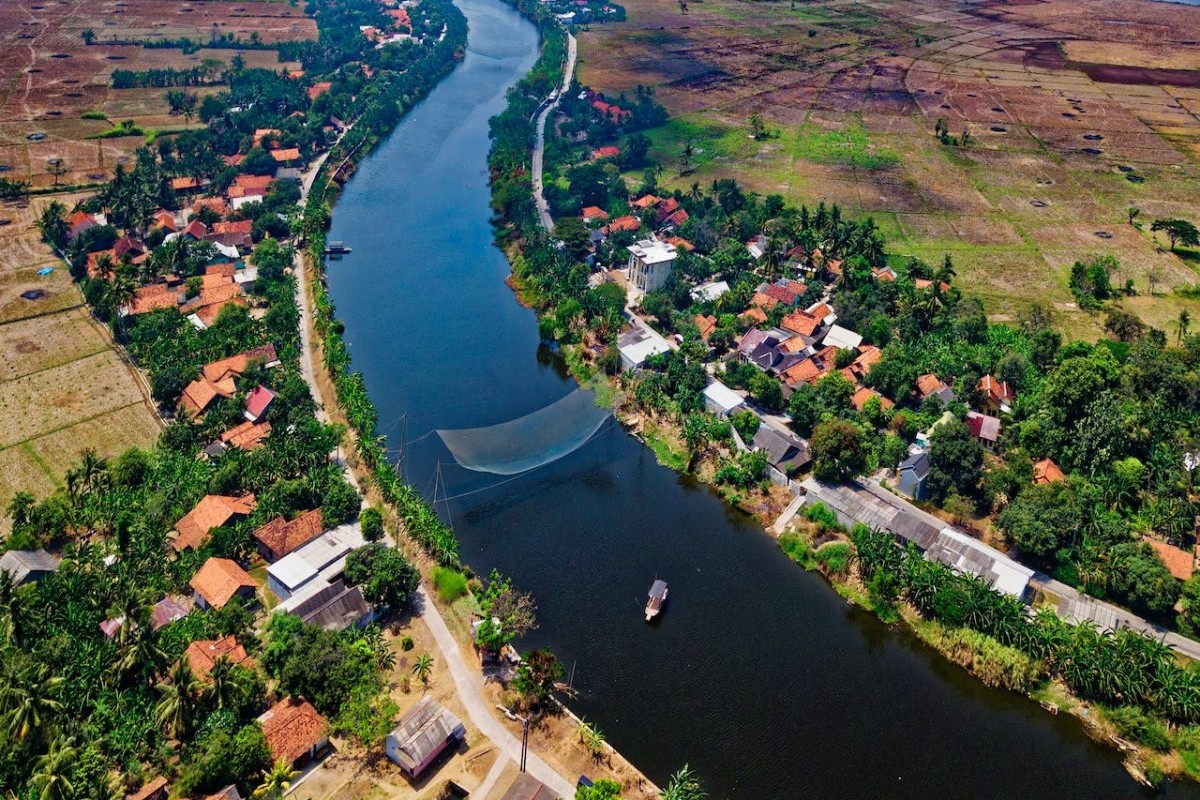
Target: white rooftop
x=723, y=396
x=652, y=251
x=707, y=292
x=841, y=338
x=327, y=551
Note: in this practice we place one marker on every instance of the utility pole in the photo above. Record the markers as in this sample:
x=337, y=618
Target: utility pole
x=524, y=740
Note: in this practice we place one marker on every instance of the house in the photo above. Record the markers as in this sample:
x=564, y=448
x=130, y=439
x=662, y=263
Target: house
x=422, y=734
x=709, y=292
x=719, y=399
x=527, y=787
x=637, y=345
x=885, y=274
x=286, y=155
x=203, y=654
x=279, y=536
x=863, y=394
x=230, y=792
x=911, y=475
x=201, y=393
x=78, y=224
x=619, y=224
x=605, y=152
x=1180, y=563
x=246, y=436
x=802, y=323
x=219, y=581
x=294, y=730
x=930, y=385
x=753, y=316
x=984, y=428
x=27, y=566
x=645, y=202
x=212, y=511
x=997, y=395
x=235, y=366
x=842, y=338
x=1046, y=471
x=705, y=324
x=333, y=606
x=966, y=554
x=594, y=214
x=868, y=356
x=316, y=564
x=154, y=790
x=257, y=403
x=650, y=264
x=785, y=451
x=757, y=247
x=166, y=611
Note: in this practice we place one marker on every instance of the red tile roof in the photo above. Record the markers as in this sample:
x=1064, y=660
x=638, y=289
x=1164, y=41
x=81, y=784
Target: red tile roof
x=1046, y=471
x=706, y=324
x=153, y=297
x=241, y=226
x=203, y=654
x=212, y=511
x=594, y=212
x=285, y=155
x=235, y=365
x=196, y=229
x=246, y=436
x=997, y=391
x=647, y=201
x=201, y=393
x=606, y=152
x=623, y=224
x=281, y=537
x=156, y=788
x=318, y=89
x=1181, y=563
x=929, y=383
x=292, y=728
x=219, y=580
x=764, y=301
x=800, y=322
x=859, y=398
x=754, y=315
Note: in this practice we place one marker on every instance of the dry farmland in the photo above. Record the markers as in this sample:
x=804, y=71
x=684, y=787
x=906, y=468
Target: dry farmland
x=63, y=385
x=1079, y=110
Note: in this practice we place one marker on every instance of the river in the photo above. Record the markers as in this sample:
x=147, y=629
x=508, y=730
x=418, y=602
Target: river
x=758, y=674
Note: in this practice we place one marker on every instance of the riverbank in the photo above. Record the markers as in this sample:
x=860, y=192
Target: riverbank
x=428, y=542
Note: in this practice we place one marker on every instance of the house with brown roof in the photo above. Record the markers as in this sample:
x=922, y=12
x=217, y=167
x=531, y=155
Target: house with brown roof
x=527, y=787
x=230, y=792
x=863, y=394
x=201, y=393
x=930, y=385
x=1180, y=563
x=645, y=202
x=1046, y=471
x=997, y=394
x=619, y=224
x=706, y=324
x=236, y=365
x=154, y=790
x=318, y=89
x=219, y=581
x=286, y=155
x=984, y=428
x=279, y=536
x=294, y=730
x=868, y=356
x=605, y=152
x=802, y=323
x=246, y=436
x=203, y=654
x=213, y=511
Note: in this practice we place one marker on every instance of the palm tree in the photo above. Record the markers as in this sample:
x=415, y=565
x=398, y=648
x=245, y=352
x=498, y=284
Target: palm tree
x=684, y=785
x=276, y=781
x=592, y=738
x=52, y=772
x=31, y=699
x=224, y=688
x=177, y=700
x=422, y=667
x=1182, y=323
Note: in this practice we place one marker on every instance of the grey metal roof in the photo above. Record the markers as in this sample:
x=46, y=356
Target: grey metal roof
x=782, y=448
x=918, y=463
x=340, y=611
x=914, y=529
x=527, y=787
x=422, y=732
x=966, y=554
x=22, y=564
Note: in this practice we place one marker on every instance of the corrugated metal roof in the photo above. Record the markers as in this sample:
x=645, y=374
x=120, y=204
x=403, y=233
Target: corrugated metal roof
x=422, y=732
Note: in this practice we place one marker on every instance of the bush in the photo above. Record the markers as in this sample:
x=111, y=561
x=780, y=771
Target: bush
x=406, y=643
x=372, y=524
x=450, y=584
x=798, y=549
x=824, y=517
x=1136, y=725
x=834, y=557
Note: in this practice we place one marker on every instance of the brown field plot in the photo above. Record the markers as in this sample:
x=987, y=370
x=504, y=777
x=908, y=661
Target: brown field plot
x=1079, y=110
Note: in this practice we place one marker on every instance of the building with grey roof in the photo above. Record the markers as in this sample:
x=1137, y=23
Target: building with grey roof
x=28, y=565
x=423, y=733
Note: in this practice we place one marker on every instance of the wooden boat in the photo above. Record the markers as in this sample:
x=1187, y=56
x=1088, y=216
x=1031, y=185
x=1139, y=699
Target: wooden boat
x=658, y=598
x=336, y=248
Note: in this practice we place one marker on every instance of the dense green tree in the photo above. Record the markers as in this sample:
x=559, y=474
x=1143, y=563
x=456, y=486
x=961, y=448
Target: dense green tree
x=955, y=461
x=1042, y=519
x=838, y=450
x=384, y=574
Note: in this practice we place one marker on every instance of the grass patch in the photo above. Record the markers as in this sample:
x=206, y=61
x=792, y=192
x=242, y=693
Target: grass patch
x=1139, y=727
x=98, y=115
x=799, y=549
x=126, y=128
x=712, y=140
x=982, y=656
x=668, y=452
x=450, y=584
x=848, y=147
x=834, y=557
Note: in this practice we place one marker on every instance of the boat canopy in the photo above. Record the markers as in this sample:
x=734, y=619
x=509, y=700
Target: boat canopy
x=658, y=590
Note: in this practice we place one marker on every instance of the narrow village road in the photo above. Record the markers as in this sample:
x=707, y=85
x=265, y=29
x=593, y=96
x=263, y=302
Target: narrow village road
x=469, y=683
x=539, y=146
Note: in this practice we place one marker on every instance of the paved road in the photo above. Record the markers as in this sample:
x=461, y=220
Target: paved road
x=540, y=145
x=469, y=683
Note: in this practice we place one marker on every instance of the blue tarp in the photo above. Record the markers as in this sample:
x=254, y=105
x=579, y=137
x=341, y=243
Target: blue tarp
x=45, y=270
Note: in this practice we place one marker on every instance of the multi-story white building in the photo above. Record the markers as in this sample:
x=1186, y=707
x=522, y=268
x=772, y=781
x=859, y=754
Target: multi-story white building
x=650, y=263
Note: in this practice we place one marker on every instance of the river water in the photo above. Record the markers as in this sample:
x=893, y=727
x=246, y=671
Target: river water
x=758, y=675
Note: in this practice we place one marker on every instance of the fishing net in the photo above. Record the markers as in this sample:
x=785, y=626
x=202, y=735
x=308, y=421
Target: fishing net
x=531, y=441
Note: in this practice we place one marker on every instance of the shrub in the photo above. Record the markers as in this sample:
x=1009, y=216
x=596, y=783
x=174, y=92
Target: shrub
x=450, y=584
x=834, y=557
x=372, y=524
x=797, y=548
x=824, y=517
x=406, y=643
x=1136, y=725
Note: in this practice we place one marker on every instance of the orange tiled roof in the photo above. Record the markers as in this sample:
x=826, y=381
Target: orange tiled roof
x=645, y=202
x=929, y=383
x=754, y=315
x=1180, y=562
x=624, y=224
x=706, y=324
x=859, y=398
x=208, y=314
x=241, y=226
x=793, y=345
x=318, y=89
x=806, y=371
x=680, y=243
x=155, y=788
x=152, y=298
x=219, y=580
x=292, y=727
x=235, y=365
x=800, y=322
x=213, y=204
x=201, y=655
x=246, y=436
x=286, y=154
x=1046, y=471
x=213, y=511
x=281, y=537
x=764, y=301
x=201, y=393
x=594, y=212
